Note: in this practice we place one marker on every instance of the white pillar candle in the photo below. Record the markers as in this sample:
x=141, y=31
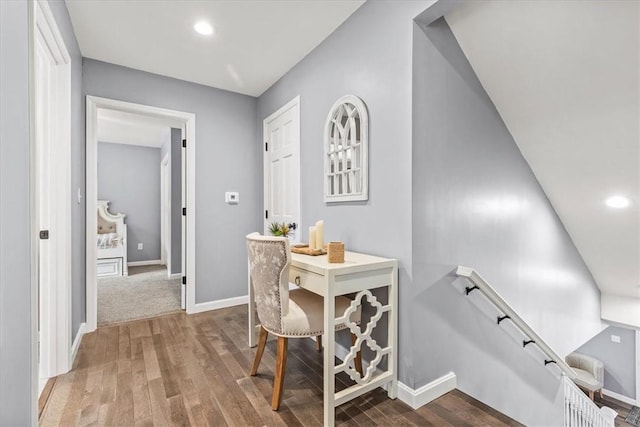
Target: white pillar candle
x=320, y=235
x=312, y=237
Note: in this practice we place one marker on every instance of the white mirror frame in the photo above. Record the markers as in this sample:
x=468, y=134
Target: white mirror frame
x=346, y=175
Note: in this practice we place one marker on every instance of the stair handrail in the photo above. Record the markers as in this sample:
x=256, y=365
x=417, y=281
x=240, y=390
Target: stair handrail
x=497, y=300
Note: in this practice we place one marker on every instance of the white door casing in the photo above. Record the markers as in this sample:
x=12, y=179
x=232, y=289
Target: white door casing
x=185, y=120
x=51, y=188
x=281, y=131
x=165, y=212
x=183, y=252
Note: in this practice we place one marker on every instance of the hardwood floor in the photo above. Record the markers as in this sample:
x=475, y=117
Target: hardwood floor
x=620, y=407
x=194, y=370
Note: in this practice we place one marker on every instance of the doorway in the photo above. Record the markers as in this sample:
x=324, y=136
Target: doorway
x=144, y=268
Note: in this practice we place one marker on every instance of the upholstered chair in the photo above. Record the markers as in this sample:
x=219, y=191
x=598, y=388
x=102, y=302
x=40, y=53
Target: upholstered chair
x=286, y=314
x=590, y=372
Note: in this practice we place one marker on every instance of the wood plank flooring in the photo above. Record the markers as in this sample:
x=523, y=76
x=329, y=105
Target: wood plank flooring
x=193, y=370
x=621, y=408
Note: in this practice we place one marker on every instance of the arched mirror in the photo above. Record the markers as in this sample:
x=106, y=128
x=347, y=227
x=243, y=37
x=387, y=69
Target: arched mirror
x=345, y=147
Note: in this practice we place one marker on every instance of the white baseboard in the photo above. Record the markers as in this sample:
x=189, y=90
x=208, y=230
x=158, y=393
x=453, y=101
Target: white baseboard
x=428, y=392
x=621, y=397
x=77, y=340
x=215, y=305
x=175, y=276
x=149, y=262
x=419, y=397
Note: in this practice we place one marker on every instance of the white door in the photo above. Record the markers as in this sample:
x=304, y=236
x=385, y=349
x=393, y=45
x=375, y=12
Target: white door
x=52, y=193
x=282, y=167
x=183, y=185
x=165, y=213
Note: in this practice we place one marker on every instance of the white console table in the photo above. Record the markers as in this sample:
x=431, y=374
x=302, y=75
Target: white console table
x=359, y=274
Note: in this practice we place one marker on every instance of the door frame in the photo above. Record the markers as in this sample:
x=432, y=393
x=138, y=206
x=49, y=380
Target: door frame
x=295, y=102
x=93, y=103
x=165, y=214
x=55, y=305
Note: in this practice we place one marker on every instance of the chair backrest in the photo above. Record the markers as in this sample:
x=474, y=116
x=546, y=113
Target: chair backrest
x=586, y=363
x=269, y=260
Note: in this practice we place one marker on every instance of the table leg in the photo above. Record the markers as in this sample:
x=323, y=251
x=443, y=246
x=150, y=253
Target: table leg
x=329, y=358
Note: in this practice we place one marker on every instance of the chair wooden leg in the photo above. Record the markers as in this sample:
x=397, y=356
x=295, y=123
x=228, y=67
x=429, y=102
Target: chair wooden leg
x=319, y=343
x=600, y=394
x=278, y=381
x=591, y=395
x=358, y=359
x=262, y=342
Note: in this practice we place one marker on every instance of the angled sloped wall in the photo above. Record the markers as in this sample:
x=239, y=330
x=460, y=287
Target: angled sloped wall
x=477, y=203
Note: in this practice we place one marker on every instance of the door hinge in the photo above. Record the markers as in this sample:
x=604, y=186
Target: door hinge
x=266, y=214
x=184, y=143
x=184, y=211
x=44, y=234
x=184, y=280
x=266, y=146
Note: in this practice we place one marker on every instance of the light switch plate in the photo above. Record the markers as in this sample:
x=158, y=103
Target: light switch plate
x=615, y=338
x=232, y=197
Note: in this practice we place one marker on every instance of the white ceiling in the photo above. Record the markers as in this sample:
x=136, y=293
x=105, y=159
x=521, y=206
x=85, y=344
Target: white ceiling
x=564, y=76
x=120, y=127
x=255, y=42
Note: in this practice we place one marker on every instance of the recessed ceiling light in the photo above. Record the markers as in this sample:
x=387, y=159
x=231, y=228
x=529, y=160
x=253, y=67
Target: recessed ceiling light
x=204, y=28
x=617, y=202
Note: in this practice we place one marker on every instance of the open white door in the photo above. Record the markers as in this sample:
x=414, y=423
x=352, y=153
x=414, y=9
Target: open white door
x=52, y=192
x=282, y=167
x=183, y=183
x=165, y=213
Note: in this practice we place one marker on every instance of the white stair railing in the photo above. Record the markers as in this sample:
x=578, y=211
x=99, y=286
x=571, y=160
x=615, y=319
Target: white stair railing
x=580, y=411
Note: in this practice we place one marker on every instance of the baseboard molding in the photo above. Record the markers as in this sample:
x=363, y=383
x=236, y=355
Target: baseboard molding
x=77, y=340
x=175, y=276
x=140, y=263
x=414, y=398
x=215, y=305
x=428, y=392
x=621, y=397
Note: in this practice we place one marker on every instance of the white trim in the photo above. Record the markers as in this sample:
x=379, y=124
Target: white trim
x=265, y=164
x=92, y=105
x=637, y=367
x=77, y=341
x=620, y=397
x=55, y=301
x=428, y=392
x=175, y=276
x=141, y=263
x=218, y=304
x=165, y=214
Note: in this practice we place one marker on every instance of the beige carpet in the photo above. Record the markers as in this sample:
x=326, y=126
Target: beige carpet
x=146, y=292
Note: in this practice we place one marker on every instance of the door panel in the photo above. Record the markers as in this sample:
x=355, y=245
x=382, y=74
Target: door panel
x=282, y=166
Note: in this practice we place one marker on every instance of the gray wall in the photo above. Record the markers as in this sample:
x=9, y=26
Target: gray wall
x=368, y=56
x=477, y=203
x=15, y=257
x=129, y=177
x=619, y=359
x=226, y=151
x=78, y=208
x=424, y=194
x=176, y=201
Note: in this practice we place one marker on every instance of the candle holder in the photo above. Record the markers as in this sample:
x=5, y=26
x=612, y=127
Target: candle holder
x=335, y=252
